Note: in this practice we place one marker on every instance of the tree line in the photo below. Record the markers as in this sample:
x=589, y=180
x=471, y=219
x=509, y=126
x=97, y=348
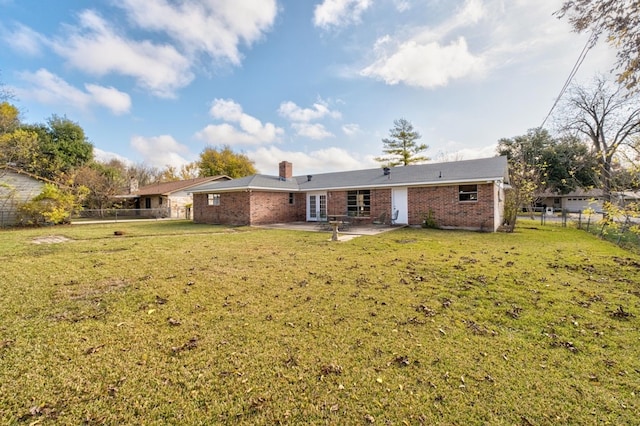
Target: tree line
x=59, y=152
x=599, y=148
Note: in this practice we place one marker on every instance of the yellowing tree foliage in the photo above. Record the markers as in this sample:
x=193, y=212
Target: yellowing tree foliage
x=215, y=162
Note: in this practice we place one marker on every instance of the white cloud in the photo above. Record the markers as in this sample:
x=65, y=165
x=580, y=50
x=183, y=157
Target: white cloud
x=302, y=118
x=106, y=156
x=326, y=160
x=160, y=151
x=424, y=65
x=94, y=47
x=314, y=131
x=118, y=102
x=455, y=151
x=48, y=88
x=293, y=112
x=480, y=36
x=210, y=26
x=251, y=131
x=338, y=13
x=100, y=47
x=23, y=40
x=430, y=57
x=402, y=5
x=351, y=129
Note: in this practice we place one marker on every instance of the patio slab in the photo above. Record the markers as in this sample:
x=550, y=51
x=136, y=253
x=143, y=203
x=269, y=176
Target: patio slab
x=354, y=231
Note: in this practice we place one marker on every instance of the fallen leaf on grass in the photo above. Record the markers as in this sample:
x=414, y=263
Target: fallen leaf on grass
x=402, y=361
x=191, y=344
x=173, y=322
x=429, y=312
x=620, y=313
x=93, y=350
x=514, y=312
x=331, y=369
x=369, y=418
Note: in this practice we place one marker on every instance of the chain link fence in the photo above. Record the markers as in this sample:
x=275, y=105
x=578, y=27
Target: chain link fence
x=623, y=230
x=131, y=214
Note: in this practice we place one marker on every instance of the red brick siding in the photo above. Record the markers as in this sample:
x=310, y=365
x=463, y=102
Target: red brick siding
x=380, y=203
x=336, y=202
x=255, y=208
x=233, y=209
x=448, y=211
x=274, y=207
x=249, y=208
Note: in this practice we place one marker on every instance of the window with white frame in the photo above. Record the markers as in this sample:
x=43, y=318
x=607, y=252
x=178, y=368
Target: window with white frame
x=468, y=193
x=213, y=199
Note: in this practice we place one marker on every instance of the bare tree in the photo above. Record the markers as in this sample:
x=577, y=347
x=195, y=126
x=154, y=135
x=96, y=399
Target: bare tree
x=609, y=117
x=619, y=22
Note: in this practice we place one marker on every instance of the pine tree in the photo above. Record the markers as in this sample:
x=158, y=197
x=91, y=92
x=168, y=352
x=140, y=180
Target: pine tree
x=401, y=148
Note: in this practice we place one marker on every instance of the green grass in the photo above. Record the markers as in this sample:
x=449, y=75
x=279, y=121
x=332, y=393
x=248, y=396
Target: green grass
x=176, y=323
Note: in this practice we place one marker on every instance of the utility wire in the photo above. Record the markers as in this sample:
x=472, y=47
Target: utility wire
x=587, y=46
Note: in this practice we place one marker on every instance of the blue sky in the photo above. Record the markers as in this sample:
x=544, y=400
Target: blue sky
x=317, y=83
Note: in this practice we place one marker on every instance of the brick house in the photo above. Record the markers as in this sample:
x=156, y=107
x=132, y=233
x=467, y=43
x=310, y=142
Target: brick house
x=462, y=194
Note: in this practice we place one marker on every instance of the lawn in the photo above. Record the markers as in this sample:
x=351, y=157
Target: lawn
x=177, y=323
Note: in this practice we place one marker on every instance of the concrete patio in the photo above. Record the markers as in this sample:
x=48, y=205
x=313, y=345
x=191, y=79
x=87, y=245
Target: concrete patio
x=354, y=231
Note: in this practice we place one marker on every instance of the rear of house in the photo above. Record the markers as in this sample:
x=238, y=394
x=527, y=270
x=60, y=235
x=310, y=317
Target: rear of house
x=463, y=194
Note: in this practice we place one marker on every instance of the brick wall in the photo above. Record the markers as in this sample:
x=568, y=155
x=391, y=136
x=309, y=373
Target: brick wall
x=249, y=208
x=380, y=203
x=448, y=211
x=233, y=209
x=274, y=207
x=256, y=208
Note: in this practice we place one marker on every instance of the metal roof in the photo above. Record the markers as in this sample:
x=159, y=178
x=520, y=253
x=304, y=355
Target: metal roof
x=450, y=173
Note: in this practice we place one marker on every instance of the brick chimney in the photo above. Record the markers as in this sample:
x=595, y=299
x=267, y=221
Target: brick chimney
x=286, y=170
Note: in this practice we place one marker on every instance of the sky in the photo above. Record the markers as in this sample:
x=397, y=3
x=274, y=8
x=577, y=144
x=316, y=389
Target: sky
x=317, y=83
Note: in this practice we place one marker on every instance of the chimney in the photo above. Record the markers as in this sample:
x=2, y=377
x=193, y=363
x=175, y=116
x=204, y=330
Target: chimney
x=133, y=185
x=286, y=170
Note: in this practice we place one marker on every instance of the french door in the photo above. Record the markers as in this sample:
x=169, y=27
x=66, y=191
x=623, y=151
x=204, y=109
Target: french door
x=316, y=206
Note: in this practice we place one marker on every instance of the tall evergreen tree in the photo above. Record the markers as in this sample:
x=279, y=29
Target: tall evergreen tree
x=401, y=148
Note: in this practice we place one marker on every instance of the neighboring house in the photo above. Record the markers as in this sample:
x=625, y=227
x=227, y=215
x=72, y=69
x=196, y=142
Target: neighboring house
x=167, y=199
x=463, y=194
x=16, y=188
x=581, y=199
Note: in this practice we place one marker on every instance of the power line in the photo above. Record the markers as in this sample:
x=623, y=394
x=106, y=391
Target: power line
x=576, y=66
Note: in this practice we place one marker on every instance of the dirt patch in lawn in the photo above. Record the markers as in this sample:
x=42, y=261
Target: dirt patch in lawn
x=51, y=239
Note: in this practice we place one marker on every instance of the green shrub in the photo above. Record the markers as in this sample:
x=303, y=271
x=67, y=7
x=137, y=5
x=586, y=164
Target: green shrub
x=429, y=220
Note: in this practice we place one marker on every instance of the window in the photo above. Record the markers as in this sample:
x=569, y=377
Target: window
x=291, y=198
x=468, y=193
x=213, y=199
x=147, y=203
x=359, y=203
x=160, y=201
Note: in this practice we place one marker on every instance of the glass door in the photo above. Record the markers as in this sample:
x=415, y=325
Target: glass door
x=317, y=206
